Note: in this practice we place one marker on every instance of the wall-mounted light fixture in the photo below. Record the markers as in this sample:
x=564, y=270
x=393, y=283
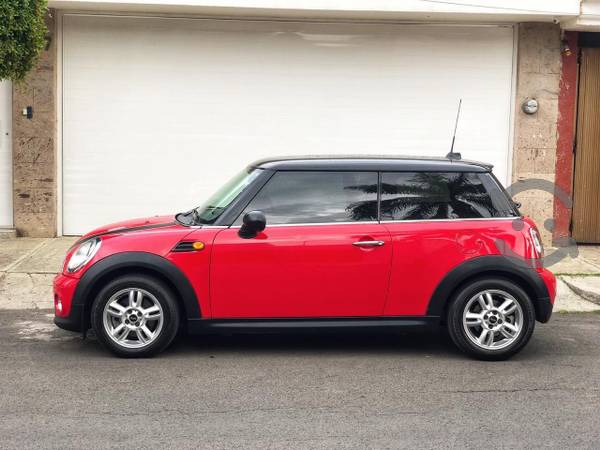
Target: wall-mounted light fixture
x=530, y=106
x=564, y=48
x=28, y=112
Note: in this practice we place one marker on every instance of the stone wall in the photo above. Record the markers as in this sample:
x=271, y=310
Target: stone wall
x=34, y=147
x=534, y=155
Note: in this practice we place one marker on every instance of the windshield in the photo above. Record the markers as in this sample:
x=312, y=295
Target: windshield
x=210, y=210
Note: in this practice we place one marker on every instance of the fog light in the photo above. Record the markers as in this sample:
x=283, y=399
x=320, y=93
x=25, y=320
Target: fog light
x=58, y=305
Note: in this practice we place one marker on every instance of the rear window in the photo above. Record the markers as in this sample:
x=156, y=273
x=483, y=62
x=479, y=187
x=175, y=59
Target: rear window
x=442, y=195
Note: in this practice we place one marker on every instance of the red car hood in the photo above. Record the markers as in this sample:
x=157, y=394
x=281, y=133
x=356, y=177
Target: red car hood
x=131, y=225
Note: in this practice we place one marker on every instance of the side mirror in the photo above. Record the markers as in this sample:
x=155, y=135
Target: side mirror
x=253, y=223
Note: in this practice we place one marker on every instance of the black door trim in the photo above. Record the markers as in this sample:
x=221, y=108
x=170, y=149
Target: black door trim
x=317, y=324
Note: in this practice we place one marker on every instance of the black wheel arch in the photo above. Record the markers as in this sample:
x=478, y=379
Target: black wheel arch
x=139, y=263
x=513, y=269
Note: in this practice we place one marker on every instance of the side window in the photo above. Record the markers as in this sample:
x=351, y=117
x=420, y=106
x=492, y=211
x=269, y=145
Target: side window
x=317, y=197
x=440, y=195
x=502, y=201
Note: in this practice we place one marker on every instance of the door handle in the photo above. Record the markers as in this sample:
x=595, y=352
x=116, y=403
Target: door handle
x=368, y=243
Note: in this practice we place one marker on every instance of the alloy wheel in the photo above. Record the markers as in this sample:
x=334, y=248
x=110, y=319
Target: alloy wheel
x=493, y=319
x=133, y=318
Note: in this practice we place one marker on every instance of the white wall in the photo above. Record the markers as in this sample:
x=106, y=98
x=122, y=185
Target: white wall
x=588, y=20
x=6, y=212
x=478, y=10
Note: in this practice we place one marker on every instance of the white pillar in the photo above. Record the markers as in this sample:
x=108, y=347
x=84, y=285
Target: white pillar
x=6, y=188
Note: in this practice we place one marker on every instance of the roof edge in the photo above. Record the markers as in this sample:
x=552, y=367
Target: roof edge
x=295, y=162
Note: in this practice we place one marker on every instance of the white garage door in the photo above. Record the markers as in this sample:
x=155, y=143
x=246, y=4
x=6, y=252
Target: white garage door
x=158, y=112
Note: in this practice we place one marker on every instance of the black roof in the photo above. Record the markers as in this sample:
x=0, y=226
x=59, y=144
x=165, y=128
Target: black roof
x=371, y=163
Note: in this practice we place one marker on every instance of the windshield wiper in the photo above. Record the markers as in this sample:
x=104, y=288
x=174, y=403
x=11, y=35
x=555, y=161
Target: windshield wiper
x=196, y=217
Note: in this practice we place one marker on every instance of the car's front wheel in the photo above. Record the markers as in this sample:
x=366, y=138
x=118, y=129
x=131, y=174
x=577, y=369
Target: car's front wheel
x=491, y=318
x=135, y=316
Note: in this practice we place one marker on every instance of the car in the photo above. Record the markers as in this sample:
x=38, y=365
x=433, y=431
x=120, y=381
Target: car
x=319, y=243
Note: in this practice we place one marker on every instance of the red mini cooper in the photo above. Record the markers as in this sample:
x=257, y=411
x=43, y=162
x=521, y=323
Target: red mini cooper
x=319, y=243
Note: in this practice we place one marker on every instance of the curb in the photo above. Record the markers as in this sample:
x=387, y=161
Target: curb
x=586, y=294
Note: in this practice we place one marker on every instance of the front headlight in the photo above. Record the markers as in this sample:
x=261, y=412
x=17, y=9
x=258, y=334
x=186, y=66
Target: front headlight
x=84, y=253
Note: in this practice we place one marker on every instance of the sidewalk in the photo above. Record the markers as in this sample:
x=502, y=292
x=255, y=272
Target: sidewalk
x=27, y=266
x=578, y=280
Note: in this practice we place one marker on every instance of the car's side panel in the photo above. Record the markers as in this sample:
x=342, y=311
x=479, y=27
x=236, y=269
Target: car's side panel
x=300, y=271
x=425, y=251
x=195, y=265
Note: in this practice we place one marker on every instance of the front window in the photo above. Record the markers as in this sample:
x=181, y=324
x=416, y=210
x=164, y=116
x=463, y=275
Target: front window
x=212, y=209
x=317, y=197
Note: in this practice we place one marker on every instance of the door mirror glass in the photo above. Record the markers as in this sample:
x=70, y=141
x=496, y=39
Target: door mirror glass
x=253, y=223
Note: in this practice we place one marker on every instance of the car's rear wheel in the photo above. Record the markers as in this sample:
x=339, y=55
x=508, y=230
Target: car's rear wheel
x=491, y=318
x=135, y=316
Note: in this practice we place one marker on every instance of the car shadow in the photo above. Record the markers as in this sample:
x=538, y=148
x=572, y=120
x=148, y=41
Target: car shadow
x=328, y=343
x=36, y=328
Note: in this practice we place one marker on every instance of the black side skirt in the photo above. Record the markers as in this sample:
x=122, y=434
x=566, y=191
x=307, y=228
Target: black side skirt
x=404, y=323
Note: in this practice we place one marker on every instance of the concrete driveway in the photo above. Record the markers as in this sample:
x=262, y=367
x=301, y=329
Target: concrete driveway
x=295, y=392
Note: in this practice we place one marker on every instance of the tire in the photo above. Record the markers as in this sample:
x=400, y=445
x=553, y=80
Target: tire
x=472, y=319
x=135, y=316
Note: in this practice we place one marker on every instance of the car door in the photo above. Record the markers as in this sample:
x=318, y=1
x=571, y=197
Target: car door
x=322, y=254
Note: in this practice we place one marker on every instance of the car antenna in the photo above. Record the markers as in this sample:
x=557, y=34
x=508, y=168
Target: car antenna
x=453, y=154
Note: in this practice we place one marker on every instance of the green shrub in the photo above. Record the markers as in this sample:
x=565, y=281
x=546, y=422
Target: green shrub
x=22, y=36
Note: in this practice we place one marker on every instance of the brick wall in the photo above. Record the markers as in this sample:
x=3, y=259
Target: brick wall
x=34, y=147
x=534, y=155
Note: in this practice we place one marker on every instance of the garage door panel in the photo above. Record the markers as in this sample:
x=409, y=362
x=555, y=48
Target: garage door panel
x=158, y=112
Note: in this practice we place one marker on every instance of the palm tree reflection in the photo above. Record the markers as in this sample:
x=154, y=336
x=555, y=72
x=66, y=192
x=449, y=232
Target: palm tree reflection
x=364, y=209
x=425, y=195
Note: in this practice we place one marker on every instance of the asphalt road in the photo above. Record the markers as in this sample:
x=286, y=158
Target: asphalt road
x=290, y=392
